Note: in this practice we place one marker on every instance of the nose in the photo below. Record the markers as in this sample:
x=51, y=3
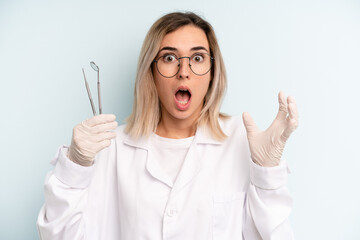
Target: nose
x=184, y=68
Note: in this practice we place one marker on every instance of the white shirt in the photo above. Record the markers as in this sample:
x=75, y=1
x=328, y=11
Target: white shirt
x=170, y=153
x=219, y=193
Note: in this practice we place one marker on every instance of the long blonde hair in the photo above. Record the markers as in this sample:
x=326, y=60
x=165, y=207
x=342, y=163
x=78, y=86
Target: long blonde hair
x=146, y=112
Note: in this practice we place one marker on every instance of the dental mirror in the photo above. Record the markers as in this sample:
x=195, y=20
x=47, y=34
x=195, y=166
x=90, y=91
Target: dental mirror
x=94, y=66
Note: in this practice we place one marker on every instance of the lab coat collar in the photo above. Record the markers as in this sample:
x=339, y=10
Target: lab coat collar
x=191, y=165
x=202, y=136
x=142, y=142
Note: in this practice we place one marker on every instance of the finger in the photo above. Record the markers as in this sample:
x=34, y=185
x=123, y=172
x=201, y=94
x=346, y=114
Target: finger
x=103, y=127
x=291, y=99
x=99, y=119
x=292, y=125
x=291, y=110
x=249, y=123
x=101, y=145
x=105, y=135
x=293, y=107
x=293, y=119
x=282, y=106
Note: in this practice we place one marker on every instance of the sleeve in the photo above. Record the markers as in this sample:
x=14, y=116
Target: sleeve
x=268, y=204
x=61, y=217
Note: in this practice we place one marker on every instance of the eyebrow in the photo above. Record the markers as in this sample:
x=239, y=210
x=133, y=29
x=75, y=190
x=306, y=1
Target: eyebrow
x=175, y=49
x=198, y=48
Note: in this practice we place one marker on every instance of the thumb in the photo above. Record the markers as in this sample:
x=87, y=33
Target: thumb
x=249, y=123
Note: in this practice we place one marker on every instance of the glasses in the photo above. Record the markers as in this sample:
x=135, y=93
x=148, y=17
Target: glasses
x=168, y=65
x=96, y=68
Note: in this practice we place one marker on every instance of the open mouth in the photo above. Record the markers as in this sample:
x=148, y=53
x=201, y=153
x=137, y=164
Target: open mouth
x=183, y=96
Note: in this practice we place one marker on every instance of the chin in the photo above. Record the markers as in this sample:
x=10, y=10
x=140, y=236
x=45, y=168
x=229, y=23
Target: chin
x=183, y=115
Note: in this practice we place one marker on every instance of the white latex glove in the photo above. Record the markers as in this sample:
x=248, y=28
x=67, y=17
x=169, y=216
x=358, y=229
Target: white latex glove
x=90, y=137
x=267, y=146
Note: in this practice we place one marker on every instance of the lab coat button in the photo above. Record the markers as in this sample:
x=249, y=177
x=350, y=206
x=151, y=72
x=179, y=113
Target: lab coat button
x=171, y=212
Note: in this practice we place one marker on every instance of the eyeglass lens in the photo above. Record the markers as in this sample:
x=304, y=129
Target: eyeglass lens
x=168, y=65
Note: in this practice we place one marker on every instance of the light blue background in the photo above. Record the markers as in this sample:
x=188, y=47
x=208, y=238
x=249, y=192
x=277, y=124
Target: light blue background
x=309, y=49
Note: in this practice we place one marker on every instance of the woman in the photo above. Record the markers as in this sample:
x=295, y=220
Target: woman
x=179, y=169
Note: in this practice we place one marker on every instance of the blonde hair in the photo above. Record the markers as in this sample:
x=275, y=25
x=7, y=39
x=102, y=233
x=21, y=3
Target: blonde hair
x=146, y=112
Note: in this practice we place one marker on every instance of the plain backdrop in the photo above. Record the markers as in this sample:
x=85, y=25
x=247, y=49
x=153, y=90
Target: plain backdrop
x=310, y=49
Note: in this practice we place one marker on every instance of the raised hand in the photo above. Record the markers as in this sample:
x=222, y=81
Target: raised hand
x=90, y=137
x=267, y=146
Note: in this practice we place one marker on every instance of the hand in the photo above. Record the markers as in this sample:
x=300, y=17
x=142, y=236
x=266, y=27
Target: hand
x=267, y=146
x=90, y=137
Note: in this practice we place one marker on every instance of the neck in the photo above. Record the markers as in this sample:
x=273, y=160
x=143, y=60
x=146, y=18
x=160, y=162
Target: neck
x=171, y=127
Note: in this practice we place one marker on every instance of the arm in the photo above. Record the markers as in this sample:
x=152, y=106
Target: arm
x=268, y=203
x=66, y=187
x=61, y=217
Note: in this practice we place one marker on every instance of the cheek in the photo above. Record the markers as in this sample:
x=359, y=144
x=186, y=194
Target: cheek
x=203, y=88
x=163, y=89
x=157, y=81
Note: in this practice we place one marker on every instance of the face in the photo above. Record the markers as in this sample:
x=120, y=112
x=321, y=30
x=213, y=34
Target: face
x=182, y=95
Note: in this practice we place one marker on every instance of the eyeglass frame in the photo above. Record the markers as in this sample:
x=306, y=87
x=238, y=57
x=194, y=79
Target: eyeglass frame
x=211, y=64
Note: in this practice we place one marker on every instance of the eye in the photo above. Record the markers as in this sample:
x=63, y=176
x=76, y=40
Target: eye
x=198, y=58
x=169, y=58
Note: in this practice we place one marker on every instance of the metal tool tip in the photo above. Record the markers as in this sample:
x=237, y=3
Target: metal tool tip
x=94, y=66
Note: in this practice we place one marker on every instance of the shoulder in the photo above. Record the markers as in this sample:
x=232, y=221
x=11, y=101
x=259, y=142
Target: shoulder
x=124, y=139
x=232, y=124
x=120, y=132
x=235, y=131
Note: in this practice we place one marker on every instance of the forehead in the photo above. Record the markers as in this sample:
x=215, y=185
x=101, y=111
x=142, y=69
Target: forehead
x=185, y=38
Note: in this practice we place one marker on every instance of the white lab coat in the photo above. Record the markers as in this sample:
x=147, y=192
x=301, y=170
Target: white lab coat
x=219, y=194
